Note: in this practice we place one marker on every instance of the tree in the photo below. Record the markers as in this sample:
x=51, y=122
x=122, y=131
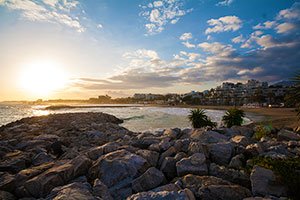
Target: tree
x=199, y=119
x=295, y=92
x=233, y=117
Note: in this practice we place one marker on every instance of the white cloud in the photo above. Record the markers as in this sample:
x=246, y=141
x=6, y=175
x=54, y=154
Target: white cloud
x=223, y=24
x=216, y=48
x=253, y=71
x=225, y=3
x=238, y=39
x=99, y=26
x=51, y=11
x=188, y=45
x=291, y=13
x=265, y=25
x=186, y=36
x=161, y=13
x=285, y=27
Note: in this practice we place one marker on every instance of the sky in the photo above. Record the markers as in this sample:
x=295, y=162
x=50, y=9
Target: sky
x=85, y=48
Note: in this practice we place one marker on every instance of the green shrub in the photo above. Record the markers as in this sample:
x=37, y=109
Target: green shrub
x=262, y=130
x=199, y=119
x=287, y=169
x=233, y=117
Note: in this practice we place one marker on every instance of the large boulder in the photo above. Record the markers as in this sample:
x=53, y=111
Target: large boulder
x=166, y=195
x=241, y=140
x=101, y=190
x=150, y=156
x=7, y=181
x=264, y=182
x=221, y=153
x=168, y=167
x=284, y=134
x=234, y=176
x=117, y=170
x=195, y=164
x=223, y=192
x=149, y=180
x=168, y=153
x=72, y=191
x=208, y=136
x=42, y=184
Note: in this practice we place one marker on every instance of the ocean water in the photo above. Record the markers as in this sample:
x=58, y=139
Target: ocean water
x=136, y=118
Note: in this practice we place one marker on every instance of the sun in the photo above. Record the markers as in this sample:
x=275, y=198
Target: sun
x=43, y=78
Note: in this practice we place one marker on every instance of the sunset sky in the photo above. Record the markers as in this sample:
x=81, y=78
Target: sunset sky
x=79, y=49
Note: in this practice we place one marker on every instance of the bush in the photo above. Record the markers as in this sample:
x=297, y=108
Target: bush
x=233, y=117
x=199, y=119
x=262, y=130
x=286, y=169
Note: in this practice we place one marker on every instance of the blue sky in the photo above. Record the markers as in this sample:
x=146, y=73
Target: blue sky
x=124, y=46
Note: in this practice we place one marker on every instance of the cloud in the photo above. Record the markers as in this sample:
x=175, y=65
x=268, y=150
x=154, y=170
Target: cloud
x=265, y=25
x=161, y=13
x=225, y=3
x=223, y=24
x=291, y=13
x=217, y=48
x=52, y=11
x=186, y=36
x=238, y=39
x=188, y=45
x=285, y=27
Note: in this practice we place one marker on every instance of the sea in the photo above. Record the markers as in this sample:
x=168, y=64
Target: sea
x=138, y=118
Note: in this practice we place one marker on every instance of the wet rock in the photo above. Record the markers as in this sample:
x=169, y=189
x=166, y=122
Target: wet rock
x=208, y=136
x=149, y=180
x=72, y=191
x=221, y=153
x=264, y=182
x=167, y=195
x=284, y=134
x=195, y=164
x=223, y=192
x=117, y=171
x=101, y=190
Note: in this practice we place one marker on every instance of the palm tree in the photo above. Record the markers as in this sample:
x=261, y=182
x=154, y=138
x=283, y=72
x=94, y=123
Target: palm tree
x=233, y=117
x=199, y=119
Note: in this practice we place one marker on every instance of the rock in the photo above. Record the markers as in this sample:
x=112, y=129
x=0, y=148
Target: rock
x=234, y=176
x=182, y=145
x=243, y=130
x=95, y=152
x=169, y=153
x=149, y=180
x=237, y=162
x=264, y=182
x=101, y=190
x=95, y=135
x=253, y=150
x=6, y=196
x=7, y=181
x=117, y=170
x=197, y=147
x=221, y=153
x=287, y=135
x=223, y=192
x=240, y=140
x=169, y=187
x=72, y=191
x=47, y=137
x=208, y=136
x=172, y=133
x=167, y=195
x=195, y=164
x=41, y=158
x=168, y=167
x=164, y=144
x=42, y=184
x=150, y=156
x=15, y=161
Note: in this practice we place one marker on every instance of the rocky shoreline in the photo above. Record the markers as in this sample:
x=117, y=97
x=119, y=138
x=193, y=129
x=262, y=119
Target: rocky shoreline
x=89, y=156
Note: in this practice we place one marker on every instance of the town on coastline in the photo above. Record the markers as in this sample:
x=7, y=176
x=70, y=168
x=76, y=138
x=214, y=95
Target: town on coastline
x=253, y=93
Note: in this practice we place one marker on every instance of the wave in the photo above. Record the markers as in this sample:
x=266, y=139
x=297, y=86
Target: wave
x=134, y=117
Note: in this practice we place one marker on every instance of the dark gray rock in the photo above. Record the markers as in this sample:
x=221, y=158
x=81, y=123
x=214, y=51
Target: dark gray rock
x=221, y=153
x=101, y=190
x=195, y=164
x=166, y=195
x=149, y=180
